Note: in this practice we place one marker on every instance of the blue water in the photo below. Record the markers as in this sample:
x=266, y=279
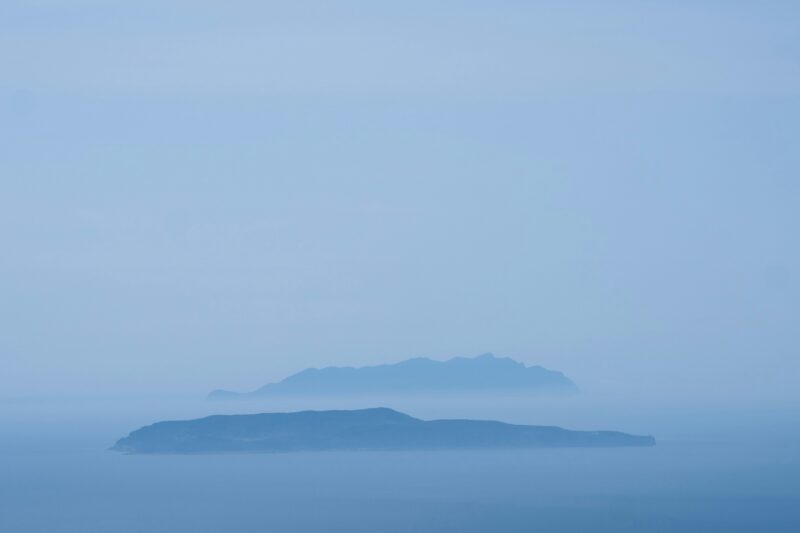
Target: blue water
x=75, y=485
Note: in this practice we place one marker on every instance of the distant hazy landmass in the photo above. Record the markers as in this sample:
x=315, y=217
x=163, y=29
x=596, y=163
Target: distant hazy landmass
x=485, y=373
x=364, y=429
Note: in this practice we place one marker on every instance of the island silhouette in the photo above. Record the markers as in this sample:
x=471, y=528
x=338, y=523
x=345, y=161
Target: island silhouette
x=363, y=429
x=482, y=374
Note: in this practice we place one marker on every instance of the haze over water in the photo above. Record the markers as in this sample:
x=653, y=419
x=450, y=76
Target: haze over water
x=718, y=475
x=196, y=196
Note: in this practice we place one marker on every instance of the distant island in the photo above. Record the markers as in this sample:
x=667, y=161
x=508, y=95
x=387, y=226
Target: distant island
x=364, y=429
x=485, y=373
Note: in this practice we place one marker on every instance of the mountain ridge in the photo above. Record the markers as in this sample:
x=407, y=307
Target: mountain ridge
x=484, y=373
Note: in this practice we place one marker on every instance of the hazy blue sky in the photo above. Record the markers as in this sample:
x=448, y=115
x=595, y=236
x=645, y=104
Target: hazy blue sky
x=201, y=194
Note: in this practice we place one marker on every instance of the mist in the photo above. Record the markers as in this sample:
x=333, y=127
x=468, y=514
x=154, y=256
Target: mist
x=585, y=189
x=197, y=197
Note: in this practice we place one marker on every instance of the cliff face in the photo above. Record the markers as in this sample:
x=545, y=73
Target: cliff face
x=366, y=429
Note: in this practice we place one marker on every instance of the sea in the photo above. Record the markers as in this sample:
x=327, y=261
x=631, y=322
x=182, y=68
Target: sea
x=708, y=473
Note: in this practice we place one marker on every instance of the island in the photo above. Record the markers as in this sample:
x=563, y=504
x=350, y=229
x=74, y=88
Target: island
x=419, y=376
x=363, y=429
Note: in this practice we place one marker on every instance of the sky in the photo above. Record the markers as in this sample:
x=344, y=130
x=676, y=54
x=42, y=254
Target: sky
x=196, y=195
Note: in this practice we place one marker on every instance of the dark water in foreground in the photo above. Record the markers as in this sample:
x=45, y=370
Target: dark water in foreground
x=77, y=486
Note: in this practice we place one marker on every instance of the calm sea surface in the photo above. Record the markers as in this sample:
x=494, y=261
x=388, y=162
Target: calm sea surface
x=68, y=482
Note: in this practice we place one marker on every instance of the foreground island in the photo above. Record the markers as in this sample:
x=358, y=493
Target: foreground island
x=364, y=429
